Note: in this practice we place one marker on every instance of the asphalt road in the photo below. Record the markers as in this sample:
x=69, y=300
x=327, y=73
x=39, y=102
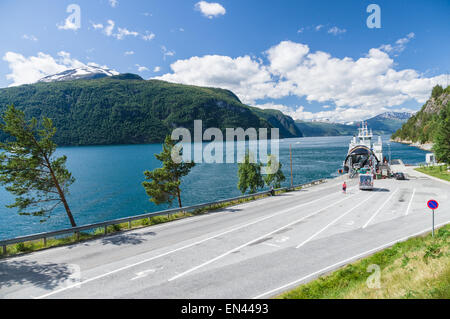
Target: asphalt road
x=254, y=250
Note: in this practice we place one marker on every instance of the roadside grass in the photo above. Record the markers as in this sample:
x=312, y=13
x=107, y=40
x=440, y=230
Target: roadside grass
x=30, y=246
x=416, y=268
x=439, y=171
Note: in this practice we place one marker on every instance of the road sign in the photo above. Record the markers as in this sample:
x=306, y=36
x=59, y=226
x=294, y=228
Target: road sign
x=432, y=204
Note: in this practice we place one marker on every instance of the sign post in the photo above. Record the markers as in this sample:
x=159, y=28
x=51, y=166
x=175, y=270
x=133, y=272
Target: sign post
x=432, y=204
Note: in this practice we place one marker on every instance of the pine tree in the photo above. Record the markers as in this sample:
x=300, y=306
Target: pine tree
x=163, y=184
x=441, y=145
x=274, y=176
x=249, y=174
x=28, y=169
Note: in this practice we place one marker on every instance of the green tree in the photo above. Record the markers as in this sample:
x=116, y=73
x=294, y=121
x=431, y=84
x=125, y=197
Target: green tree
x=274, y=176
x=437, y=90
x=249, y=174
x=28, y=169
x=441, y=145
x=163, y=184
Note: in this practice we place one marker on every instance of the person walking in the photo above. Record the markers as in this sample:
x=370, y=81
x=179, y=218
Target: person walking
x=344, y=188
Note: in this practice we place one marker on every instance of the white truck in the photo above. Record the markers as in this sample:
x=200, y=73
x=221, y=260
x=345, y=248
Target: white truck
x=366, y=181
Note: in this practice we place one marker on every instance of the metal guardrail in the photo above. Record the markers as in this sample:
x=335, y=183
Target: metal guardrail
x=105, y=224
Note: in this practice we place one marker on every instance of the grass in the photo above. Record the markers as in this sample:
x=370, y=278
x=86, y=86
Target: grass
x=439, y=171
x=36, y=245
x=416, y=268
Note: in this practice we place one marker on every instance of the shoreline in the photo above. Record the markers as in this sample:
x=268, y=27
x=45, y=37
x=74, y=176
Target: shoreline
x=424, y=147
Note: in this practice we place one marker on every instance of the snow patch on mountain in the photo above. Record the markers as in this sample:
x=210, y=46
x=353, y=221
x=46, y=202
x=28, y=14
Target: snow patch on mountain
x=85, y=73
x=394, y=115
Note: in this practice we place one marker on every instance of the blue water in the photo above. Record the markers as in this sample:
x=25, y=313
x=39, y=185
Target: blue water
x=108, y=180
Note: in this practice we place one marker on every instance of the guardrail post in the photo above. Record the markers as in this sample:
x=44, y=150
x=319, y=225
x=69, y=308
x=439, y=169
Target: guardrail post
x=106, y=230
x=45, y=241
x=129, y=224
x=4, y=250
x=78, y=235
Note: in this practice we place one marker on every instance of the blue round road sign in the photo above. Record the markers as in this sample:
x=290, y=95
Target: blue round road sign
x=432, y=204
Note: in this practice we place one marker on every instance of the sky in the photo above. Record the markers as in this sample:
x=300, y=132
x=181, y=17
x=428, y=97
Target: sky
x=313, y=60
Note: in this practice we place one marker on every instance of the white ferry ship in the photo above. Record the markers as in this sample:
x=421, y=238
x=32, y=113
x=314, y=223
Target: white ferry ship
x=363, y=152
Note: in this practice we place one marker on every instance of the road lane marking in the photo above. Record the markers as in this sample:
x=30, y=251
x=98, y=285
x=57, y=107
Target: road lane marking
x=380, y=208
x=282, y=239
x=145, y=273
x=180, y=248
x=343, y=262
x=255, y=240
x=335, y=220
x=410, y=202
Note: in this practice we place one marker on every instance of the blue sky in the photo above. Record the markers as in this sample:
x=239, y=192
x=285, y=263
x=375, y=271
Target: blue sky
x=310, y=59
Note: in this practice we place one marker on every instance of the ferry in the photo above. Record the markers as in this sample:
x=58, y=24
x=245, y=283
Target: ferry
x=364, y=156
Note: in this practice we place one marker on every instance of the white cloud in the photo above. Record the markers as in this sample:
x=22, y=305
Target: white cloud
x=399, y=45
x=157, y=69
x=335, y=30
x=286, y=55
x=129, y=53
x=30, y=37
x=123, y=32
x=109, y=28
x=141, y=68
x=113, y=3
x=243, y=75
x=148, y=36
x=318, y=27
x=356, y=87
x=210, y=9
x=166, y=52
x=97, y=26
x=25, y=70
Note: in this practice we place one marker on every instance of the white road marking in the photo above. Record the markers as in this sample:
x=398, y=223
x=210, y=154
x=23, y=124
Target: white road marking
x=255, y=240
x=410, y=201
x=335, y=220
x=282, y=239
x=380, y=208
x=179, y=249
x=145, y=273
x=343, y=262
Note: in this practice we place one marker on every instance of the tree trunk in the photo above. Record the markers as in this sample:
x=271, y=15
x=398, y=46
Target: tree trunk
x=179, y=197
x=61, y=194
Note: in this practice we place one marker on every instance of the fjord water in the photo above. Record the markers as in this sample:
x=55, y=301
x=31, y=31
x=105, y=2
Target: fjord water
x=108, y=180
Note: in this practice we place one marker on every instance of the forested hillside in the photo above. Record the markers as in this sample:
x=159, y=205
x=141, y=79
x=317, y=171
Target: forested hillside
x=422, y=126
x=126, y=109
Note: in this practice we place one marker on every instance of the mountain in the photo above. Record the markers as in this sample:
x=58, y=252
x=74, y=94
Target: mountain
x=420, y=128
x=388, y=122
x=287, y=126
x=385, y=123
x=86, y=72
x=125, y=109
x=325, y=128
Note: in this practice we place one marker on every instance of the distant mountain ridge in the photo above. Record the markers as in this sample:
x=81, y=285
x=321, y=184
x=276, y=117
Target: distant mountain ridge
x=384, y=123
